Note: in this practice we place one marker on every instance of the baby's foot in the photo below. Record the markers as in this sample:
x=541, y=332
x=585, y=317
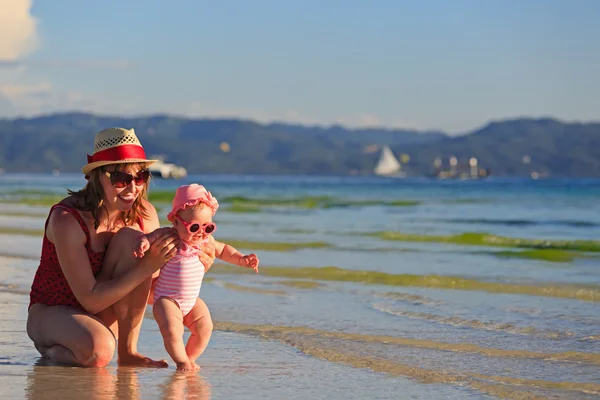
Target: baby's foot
x=186, y=366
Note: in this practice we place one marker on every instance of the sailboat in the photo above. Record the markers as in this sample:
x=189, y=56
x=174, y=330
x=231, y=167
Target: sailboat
x=388, y=165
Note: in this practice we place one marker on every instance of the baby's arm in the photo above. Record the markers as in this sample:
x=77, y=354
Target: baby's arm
x=144, y=241
x=230, y=254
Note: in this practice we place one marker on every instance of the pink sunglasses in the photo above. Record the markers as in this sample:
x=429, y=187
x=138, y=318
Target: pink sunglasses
x=193, y=227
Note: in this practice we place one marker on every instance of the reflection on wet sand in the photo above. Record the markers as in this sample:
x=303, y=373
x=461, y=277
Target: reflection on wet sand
x=127, y=384
x=186, y=386
x=59, y=382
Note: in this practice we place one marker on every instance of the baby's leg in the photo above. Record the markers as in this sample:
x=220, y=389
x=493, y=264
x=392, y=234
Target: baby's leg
x=200, y=324
x=169, y=318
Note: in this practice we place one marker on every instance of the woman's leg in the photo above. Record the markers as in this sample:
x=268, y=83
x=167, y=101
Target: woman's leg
x=70, y=336
x=200, y=324
x=170, y=321
x=129, y=311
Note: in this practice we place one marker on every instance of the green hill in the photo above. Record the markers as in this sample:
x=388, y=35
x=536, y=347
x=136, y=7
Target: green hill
x=62, y=140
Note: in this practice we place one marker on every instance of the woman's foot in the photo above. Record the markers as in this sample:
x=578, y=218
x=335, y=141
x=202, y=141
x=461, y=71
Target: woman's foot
x=138, y=360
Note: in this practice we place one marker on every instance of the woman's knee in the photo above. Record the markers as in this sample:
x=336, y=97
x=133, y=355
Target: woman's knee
x=119, y=254
x=97, y=350
x=51, y=329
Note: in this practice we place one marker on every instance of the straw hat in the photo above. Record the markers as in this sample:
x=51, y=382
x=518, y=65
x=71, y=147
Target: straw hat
x=116, y=146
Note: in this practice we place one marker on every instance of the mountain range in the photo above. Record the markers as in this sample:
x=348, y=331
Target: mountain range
x=516, y=147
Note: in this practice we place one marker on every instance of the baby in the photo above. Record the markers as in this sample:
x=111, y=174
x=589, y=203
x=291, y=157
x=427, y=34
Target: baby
x=175, y=296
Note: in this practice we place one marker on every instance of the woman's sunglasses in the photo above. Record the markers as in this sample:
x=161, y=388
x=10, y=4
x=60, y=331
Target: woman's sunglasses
x=120, y=179
x=194, y=227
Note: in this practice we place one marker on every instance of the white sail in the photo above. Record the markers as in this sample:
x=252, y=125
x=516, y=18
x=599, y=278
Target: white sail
x=388, y=164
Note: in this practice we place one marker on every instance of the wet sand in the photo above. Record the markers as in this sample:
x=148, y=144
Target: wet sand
x=235, y=366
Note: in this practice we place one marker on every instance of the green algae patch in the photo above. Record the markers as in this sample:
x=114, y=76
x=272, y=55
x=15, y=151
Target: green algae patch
x=243, y=244
x=294, y=231
x=234, y=204
x=275, y=246
x=300, y=284
x=309, y=202
x=551, y=255
x=301, y=202
x=45, y=200
x=465, y=201
x=21, y=231
x=161, y=196
x=571, y=291
x=402, y=203
x=247, y=289
x=485, y=239
x=243, y=209
x=8, y=213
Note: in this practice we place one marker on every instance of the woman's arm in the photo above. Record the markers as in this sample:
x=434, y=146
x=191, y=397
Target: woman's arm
x=152, y=224
x=93, y=295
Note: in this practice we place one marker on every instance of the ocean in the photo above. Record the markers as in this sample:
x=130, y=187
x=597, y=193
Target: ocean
x=369, y=288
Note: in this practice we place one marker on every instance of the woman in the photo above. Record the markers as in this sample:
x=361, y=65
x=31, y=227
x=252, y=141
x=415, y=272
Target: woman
x=89, y=289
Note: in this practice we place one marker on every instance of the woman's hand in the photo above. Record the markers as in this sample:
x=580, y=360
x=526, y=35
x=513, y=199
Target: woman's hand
x=207, y=255
x=162, y=249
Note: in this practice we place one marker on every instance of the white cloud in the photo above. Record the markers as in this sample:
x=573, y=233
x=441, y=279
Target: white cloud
x=199, y=110
x=14, y=92
x=26, y=99
x=42, y=98
x=18, y=34
x=363, y=120
x=67, y=64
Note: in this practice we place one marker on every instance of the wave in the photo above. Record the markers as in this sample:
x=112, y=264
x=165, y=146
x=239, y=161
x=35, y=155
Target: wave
x=14, y=289
x=472, y=323
x=334, y=347
x=519, y=222
x=414, y=299
x=536, y=312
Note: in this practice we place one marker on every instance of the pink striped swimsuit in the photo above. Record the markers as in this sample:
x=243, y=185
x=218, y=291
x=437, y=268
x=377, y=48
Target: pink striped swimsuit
x=181, y=278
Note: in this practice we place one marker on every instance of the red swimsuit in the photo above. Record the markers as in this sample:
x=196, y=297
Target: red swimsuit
x=50, y=286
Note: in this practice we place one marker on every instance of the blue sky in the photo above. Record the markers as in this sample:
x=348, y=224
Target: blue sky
x=429, y=64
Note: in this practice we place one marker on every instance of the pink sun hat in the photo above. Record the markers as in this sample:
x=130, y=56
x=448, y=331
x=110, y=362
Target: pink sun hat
x=190, y=195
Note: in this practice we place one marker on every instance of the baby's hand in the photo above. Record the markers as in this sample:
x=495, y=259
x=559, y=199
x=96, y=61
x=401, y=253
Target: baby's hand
x=250, y=261
x=142, y=246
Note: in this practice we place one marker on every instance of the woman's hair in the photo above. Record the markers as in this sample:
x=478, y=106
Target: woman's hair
x=91, y=197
